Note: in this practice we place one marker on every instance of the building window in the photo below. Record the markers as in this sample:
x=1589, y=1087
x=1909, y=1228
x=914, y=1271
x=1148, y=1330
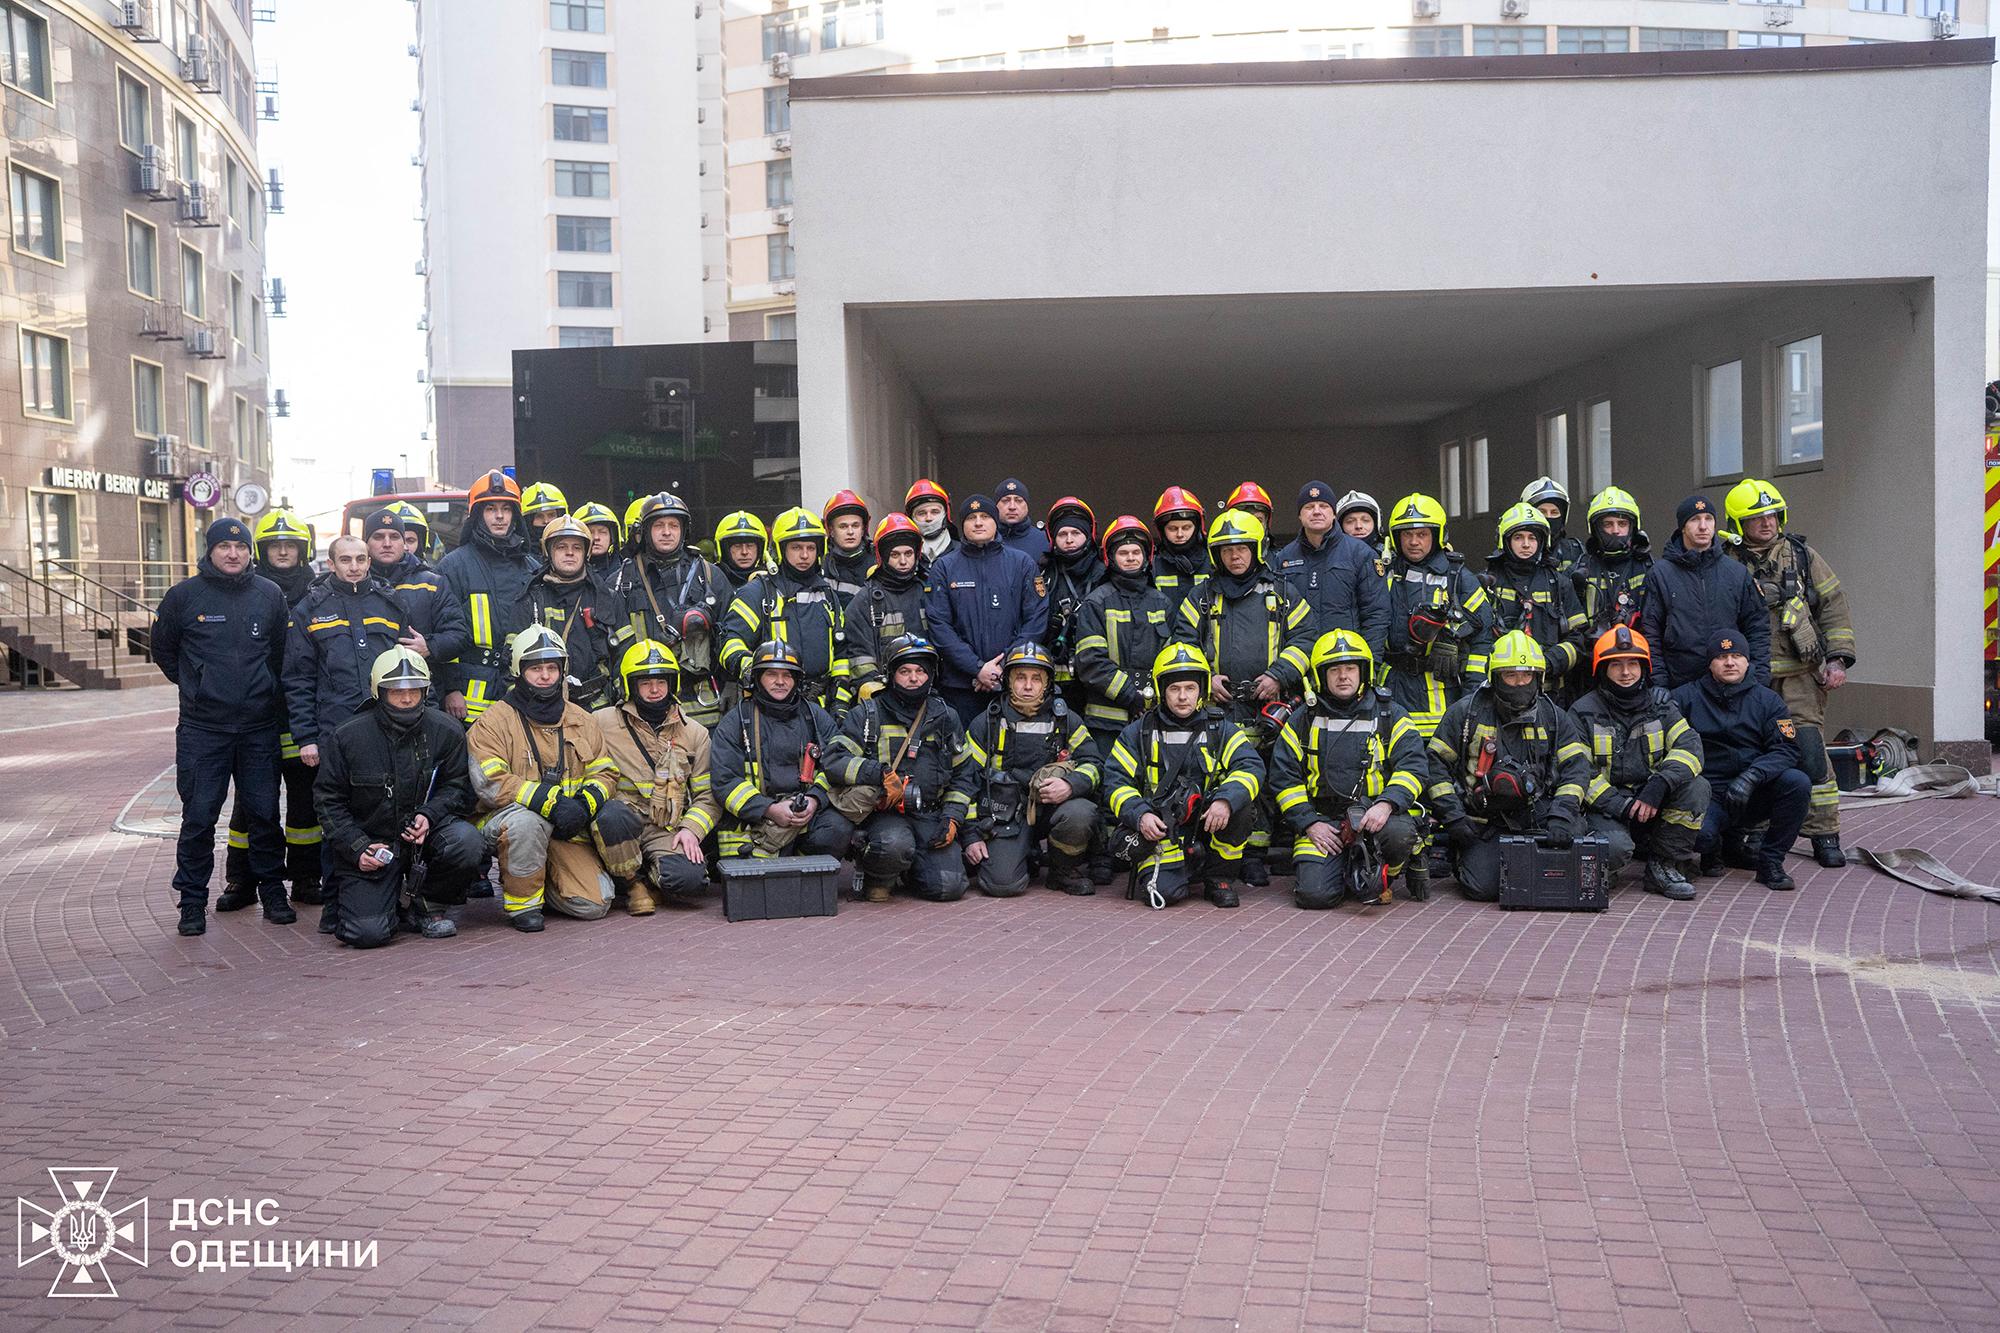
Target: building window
x=27, y=53
x=45, y=375
x=187, y=148
x=244, y=443
x=194, y=283
x=777, y=109
x=583, y=291
x=785, y=325
x=1476, y=481
x=1801, y=413
x=782, y=258
x=142, y=257
x=1880, y=6
x=232, y=189
x=588, y=236
x=234, y=313
x=583, y=124
x=197, y=412
x=1449, y=475
x=1930, y=9
x=1047, y=57
x=1436, y=41
x=576, y=15
x=37, y=214
x=571, y=335
x=1682, y=39
x=788, y=33
x=1592, y=41
x=849, y=23
x=1509, y=40
x=263, y=428
x=52, y=526
x=1748, y=40
x=778, y=183
x=257, y=325
x=1722, y=420
x=579, y=69
x=1555, y=447
x=1597, y=445
x=996, y=60
x=135, y=113
x=583, y=180
x=149, y=398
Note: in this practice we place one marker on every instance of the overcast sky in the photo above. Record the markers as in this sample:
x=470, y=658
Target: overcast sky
x=348, y=351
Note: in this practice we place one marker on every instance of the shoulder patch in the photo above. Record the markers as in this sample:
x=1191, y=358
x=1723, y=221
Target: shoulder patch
x=1788, y=728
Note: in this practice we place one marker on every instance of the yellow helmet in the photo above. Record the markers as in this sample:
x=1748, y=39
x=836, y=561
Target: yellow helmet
x=743, y=526
x=1749, y=498
x=1417, y=510
x=399, y=668
x=280, y=525
x=1236, y=527
x=536, y=643
x=1612, y=500
x=1523, y=515
x=649, y=657
x=798, y=525
x=1337, y=646
x=1515, y=651
x=632, y=517
x=565, y=526
x=543, y=498
x=412, y=516
x=1180, y=661
x=590, y=514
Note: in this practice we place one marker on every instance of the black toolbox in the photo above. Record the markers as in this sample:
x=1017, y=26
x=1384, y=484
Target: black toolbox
x=1538, y=877
x=767, y=888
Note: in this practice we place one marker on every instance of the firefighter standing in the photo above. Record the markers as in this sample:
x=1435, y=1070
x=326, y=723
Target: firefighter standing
x=1647, y=790
x=1440, y=622
x=670, y=593
x=1075, y=568
x=570, y=599
x=1812, y=639
x=604, y=528
x=1506, y=760
x=742, y=548
x=1180, y=556
x=1361, y=518
x=794, y=605
x=663, y=772
x=434, y=622
x=488, y=574
x=1692, y=593
x=845, y=515
x=1335, y=573
x=1037, y=772
x=542, y=503
x=891, y=602
x=545, y=784
x=1551, y=498
x=928, y=505
x=1530, y=593
x=1017, y=528
x=980, y=599
x=1611, y=575
x=1347, y=770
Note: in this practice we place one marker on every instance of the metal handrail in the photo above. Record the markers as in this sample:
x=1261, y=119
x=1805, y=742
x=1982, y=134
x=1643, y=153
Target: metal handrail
x=78, y=630
x=55, y=569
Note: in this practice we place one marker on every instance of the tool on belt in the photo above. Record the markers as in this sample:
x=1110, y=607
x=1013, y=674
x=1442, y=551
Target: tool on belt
x=808, y=770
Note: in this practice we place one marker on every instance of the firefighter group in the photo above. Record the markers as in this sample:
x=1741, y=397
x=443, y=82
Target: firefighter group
x=964, y=695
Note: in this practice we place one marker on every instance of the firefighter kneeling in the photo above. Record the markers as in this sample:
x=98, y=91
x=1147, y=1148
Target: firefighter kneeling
x=662, y=759
x=545, y=786
x=1648, y=790
x=1184, y=783
x=1347, y=770
x=1037, y=770
x=1506, y=760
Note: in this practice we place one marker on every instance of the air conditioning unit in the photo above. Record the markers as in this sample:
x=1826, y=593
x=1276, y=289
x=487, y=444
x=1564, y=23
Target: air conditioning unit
x=1426, y=9
x=781, y=65
x=196, y=67
x=276, y=297
x=281, y=406
x=782, y=142
x=155, y=179
x=784, y=287
x=422, y=268
x=1513, y=9
x=267, y=108
x=204, y=344
x=197, y=205
x=1777, y=16
x=135, y=19
x=1944, y=25
x=160, y=455
x=782, y=216
x=274, y=193
x=704, y=220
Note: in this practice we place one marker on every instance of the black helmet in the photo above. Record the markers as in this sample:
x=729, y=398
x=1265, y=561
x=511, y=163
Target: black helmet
x=911, y=648
x=775, y=655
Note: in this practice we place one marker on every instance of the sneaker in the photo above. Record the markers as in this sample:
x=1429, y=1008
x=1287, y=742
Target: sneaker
x=1826, y=850
x=1222, y=895
x=194, y=919
x=527, y=922
x=277, y=911
x=236, y=897
x=1256, y=873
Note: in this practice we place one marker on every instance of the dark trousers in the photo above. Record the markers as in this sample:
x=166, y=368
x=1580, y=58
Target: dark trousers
x=302, y=864
x=893, y=845
x=1783, y=801
x=967, y=702
x=371, y=900
x=205, y=764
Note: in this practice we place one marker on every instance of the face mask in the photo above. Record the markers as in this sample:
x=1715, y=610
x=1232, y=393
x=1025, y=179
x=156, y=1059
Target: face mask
x=932, y=526
x=910, y=697
x=1614, y=545
x=404, y=718
x=1625, y=694
x=1516, y=699
x=654, y=714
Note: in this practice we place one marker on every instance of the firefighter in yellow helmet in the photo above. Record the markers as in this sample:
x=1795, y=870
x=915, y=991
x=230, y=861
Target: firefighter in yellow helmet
x=1812, y=638
x=1440, y=620
x=416, y=530
x=605, y=530
x=742, y=547
x=1183, y=782
x=1611, y=574
x=663, y=773
x=1037, y=773
x=795, y=605
x=1531, y=594
x=671, y=593
x=542, y=504
x=1506, y=760
x=568, y=597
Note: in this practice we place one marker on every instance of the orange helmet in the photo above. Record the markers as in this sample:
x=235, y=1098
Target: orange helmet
x=1178, y=502
x=494, y=486
x=1620, y=641
x=1126, y=528
x=926, y=489
x=1250, y=493
x=1069, y=504
x=843, y=502
x=892, y=528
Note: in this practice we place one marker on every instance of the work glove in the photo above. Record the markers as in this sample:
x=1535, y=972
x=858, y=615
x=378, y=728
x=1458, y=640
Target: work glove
x=1561, y=832
x=1737, y=799
x=1462, y=832
x=1654, y=793
x=618, y=822
x=893, y=784
x=570, y=817
x=946, y=834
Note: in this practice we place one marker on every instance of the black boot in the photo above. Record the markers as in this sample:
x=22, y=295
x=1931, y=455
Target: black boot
x=305, y=893
x=1256, y=873
x=1417, y=880
x=431, y=922
x=1736, y=852
x=1711, y=863
x=276, y=910
x=194, y=916
x=1826, y=850
x=1771, y=874
x=529, y=921
x=1665, y=879
x=1102, y=870
x=1067, y=874
x=1221, y=893
x=235, y=897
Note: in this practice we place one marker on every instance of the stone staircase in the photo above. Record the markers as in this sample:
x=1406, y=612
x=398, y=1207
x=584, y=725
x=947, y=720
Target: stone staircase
x=89, y=635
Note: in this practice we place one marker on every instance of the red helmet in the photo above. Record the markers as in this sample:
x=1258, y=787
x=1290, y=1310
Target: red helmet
x=926, y=489
x=1127, y=527
x=1069, y=504
x=1178, y=502
x=1250, y=493
x=894, y=528
x=843, y=502
x=495, y=486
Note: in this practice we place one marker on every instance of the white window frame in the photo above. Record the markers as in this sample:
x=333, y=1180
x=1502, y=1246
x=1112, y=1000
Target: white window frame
x=61, y=257
x=159, y=402
x=1781, y=380
x=200, y=425
x=1451, y=477
x=1555, y=453
x=1479, y=492
x=134, y=220
x=68, y=376
x=1704, y=411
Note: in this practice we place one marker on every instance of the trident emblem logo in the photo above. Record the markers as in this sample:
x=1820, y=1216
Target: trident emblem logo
x=83, y=1234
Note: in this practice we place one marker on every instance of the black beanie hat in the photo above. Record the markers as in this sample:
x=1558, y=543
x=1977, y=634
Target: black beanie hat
x=227, y=530
x=382, y=520
x=1314, y=490
x=978, y=504
x=1012, y=486
x=1694, y=504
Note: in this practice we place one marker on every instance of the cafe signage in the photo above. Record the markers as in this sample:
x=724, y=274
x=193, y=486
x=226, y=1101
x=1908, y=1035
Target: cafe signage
x=111, y=483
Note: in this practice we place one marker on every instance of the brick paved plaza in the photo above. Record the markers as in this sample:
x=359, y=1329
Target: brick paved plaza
x=1763, y=1109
